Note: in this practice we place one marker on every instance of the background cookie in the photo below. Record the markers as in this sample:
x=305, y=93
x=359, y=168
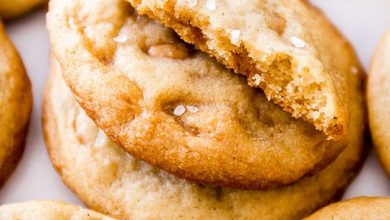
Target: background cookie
x=47, y=210
x=301, y=63
x=111, y=181
x=176, y=108
x=359, y=208
x=378, y=96
x=15, y=106
x=13, y=8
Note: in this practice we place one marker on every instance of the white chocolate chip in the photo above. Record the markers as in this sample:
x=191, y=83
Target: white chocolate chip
x=106, y=162
x=211, y=5
x=179, y=110
x=257, y=79
x=192, y=3
x=354, y=70
x=120, y=38
x=235, y=36
x=101, y=139
x=297, y=42
x=192, y=109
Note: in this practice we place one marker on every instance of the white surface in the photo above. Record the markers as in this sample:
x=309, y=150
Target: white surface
x=362, y=21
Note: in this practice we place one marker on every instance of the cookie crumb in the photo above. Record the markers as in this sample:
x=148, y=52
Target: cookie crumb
x=211, y=5
x=179, y=110
x=354, y=70
x=192, y=109
x=297, y=42
x=235, y=36
x=257, y=79
x=192, y=3
x=120, y=38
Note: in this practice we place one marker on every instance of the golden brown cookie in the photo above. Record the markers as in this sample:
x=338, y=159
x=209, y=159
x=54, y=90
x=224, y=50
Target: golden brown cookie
x=175, y=107
x=363, y=208
x=47, y=210
x=14, y=8
x=378, y=96
x=288, y=48
x=15, y=106
x=111, y=181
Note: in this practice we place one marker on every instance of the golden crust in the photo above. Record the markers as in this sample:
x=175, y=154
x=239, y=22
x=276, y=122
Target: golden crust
x=287, y=48
x=47, y=210
x=357, y=208
x=15, y=106
x=14, y=8
x=378, y=93
x=109, y=180
x=236, y=138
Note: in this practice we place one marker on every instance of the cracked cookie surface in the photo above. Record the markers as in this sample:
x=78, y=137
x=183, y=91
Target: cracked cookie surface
x=286, y=48
x=175, y=107
x=127, y=188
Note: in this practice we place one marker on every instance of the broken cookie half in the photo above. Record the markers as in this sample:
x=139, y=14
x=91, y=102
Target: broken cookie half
x=287, y=48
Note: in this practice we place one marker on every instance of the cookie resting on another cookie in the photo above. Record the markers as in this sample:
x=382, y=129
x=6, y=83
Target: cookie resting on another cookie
x=14, y=8
x=378, y=96
x=111, y=181
x=175, y=107
x=47, y=210
x=288, y=48
x=363, y=208
x=15, y=106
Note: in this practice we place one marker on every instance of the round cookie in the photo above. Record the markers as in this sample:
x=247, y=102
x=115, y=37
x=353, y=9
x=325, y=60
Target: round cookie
x=301, y=63
x=15, y=106
x=47, y=210
x=378, y=95
x=175, y=107
x=14, y=8
x=358, y=208
x=109, y=180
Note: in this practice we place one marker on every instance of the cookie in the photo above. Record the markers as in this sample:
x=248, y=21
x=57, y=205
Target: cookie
x=175, y=107
x=378, y=94
x=109, y=180
x=14, y=8
x=287, y=48
x=15, y=106
x=47, y=210
x=358, y=208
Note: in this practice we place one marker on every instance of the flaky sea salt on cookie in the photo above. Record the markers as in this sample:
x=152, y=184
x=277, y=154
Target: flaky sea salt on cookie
x=127, y=188
x=175, y=107
x=287, y=48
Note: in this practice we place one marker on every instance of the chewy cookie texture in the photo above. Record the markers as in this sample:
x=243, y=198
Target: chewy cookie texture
x=285, y=47
x=47, y=210
x=122, y=186
x=15, y=106
x=175, y=107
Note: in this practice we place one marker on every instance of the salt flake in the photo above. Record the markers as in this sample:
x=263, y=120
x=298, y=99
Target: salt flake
x=298, y=42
